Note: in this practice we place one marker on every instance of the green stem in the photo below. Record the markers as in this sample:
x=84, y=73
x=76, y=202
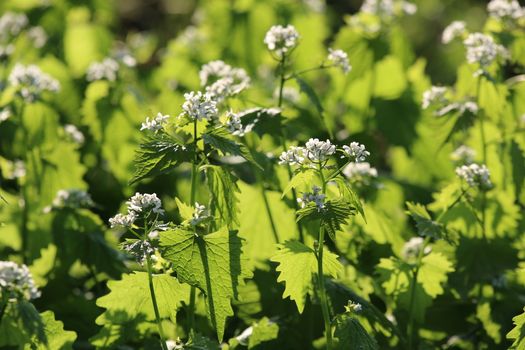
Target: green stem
x=484, y=153
x=24, y=232
x=155, y=306
x=320, y=274
x=282, y=63
x=193, y=290
x=410, y=325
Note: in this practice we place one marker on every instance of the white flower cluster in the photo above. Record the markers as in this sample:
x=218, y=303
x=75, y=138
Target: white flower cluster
x=463, y=155
x=412, y=248
x=315, y=197
x=139, y=249
x=388, y=9
x=31, y=81
x=339, y=58
x=281, y=40
x=361, y=174
x=356, y=152
x=318, y=151
x=72, y=198
x=294, y=156
x=106, y=69
x=5, y=114
x=435, y=96
x=123, y=54
x=6, y=50
x=506, y=10
x=483, y=50
x=38, y=36
x=199, y=106
x=137, y=205
x=74, y=134
x=475, y=175
x=200, y=214
x=222, y=80
x=155, y=124
x=12, y=24
x=235, y=127
x=456, y=29
x=16, y=282
x=15, y=170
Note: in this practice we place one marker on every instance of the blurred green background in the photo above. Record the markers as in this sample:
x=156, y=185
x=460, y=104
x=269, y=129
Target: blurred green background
x=166, y=18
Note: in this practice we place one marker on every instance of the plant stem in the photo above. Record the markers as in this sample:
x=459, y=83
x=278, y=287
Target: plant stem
x=155, y=306
x=410, y=325
x=193, y=290
x=24, y=232
x=320, y=274
x=282, y=63
x=484, y=153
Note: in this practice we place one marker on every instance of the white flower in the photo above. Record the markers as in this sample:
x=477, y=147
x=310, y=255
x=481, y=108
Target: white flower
x=454, y=30
x=31, y=81
x=12, y=24
x=505, y=10
x=222, y=80
x=155, y=124
x=235, y=127
x=339, y=58
x=435, y=96
x=6, y=50
x=139, y=249
x=16, y=282
x=463, y=154
x=199, y=106
x=74, y=134
x=141, y=203
x=388, y=9
x=294, y=156
x=15, y=170
x=356, y=151
x=281, y=40
x=483, y=50
x=200, y=214
x=315, y=197
x=122, y=54
x=38, y=36
x=412, y=248
x=121, y=220
x=360, y=173
x=318, y=151
x=475, y=175
x=107, y=69
x=72, y=198
x=5, y=114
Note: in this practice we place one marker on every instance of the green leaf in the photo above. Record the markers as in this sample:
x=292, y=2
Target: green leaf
x=214, y=263
x=426, y=227
x=334, y=215
x=21, y=324
x=396, y=279
x=297, y=267
x=517, y=334
x=390, y=67
x=160, y=154
x=484, y=314
x=351, y=334
x=200, y=342
x=301, y=178
x=314, y=99
x=130, y=298
x=55, y=335
x=350, y=196
x=223, y=188
x=263, y=332
x=185, y=211
x=221, y=140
